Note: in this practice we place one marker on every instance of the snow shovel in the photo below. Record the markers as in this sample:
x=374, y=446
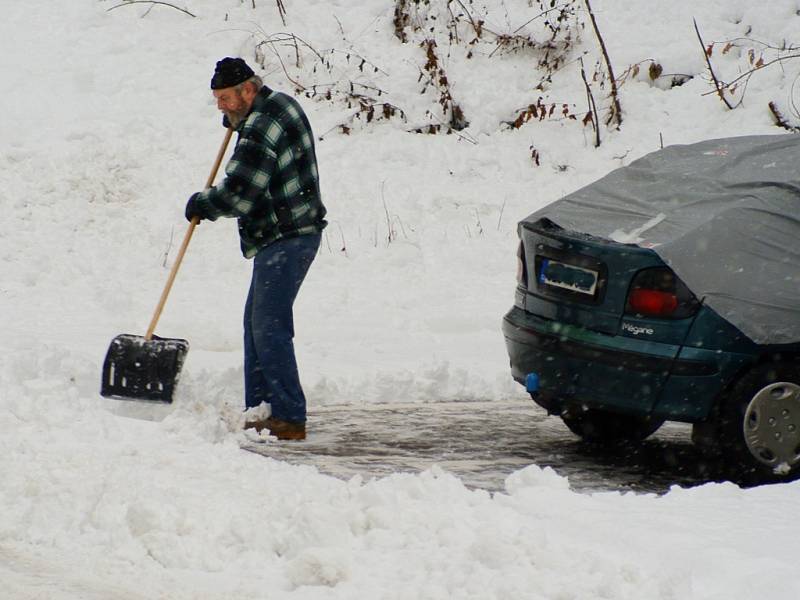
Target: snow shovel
x=147, y=367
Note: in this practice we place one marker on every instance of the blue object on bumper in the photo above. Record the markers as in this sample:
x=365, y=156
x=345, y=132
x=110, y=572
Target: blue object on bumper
x=532, y=383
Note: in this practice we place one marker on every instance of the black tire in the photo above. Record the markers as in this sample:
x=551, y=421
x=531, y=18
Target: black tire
x=759, y=425
x=603, y=427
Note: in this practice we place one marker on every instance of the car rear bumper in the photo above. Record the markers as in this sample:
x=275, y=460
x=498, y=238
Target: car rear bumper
x=597, y=370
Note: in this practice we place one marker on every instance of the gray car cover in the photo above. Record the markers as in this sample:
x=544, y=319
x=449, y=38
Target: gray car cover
x=723, y=214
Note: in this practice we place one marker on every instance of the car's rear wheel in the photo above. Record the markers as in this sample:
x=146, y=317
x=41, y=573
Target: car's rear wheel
x=759, y=426
x=603, y=427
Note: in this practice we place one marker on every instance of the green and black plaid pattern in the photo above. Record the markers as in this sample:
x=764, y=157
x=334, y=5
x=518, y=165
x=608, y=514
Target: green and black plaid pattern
x=272, y=182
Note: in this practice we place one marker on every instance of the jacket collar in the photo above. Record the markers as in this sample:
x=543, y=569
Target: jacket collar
x=258, y=104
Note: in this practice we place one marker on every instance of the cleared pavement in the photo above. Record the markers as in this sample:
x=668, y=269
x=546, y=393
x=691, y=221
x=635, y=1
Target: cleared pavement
x=482, y=443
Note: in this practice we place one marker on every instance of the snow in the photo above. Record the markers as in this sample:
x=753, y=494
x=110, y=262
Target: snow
x=108, y=126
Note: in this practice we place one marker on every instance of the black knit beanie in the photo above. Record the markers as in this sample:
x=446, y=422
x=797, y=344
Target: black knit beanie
x=230, y=72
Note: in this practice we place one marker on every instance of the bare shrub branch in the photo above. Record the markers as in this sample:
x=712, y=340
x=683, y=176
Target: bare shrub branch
x=437, y=76
x=717, y=86
x=151, y=3
x=780, y=120
x=281, y=11
x=616, y=111
x=592, y=114
x=539, y=111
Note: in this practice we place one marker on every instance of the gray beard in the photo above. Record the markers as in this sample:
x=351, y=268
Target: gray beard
x=236, y=117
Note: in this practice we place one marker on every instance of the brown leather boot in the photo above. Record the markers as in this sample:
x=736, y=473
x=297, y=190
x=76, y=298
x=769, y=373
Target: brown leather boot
x=283, y=430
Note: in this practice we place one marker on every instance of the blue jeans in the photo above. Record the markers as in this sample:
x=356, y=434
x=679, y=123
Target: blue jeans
x=270, y=368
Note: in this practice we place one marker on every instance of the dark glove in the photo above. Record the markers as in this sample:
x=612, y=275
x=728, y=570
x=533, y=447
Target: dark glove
x=192, y=210
x=226, y=122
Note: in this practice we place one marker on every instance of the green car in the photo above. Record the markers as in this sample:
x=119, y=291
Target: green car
x=669, y=290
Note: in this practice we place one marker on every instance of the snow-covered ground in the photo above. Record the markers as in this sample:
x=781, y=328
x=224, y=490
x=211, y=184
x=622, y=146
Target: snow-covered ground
x=108, y=126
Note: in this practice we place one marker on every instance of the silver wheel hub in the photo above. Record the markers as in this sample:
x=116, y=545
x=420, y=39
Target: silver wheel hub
x=772, y=425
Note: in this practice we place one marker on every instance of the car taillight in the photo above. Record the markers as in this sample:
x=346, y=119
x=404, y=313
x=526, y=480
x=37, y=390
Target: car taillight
x=653, y=302
x=658, y=292
x=522, y=273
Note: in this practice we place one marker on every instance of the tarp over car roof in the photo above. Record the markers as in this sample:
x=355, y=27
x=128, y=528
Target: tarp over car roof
x=724, y=214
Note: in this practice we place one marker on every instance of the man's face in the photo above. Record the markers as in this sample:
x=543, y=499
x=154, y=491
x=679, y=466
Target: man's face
x=235, y=103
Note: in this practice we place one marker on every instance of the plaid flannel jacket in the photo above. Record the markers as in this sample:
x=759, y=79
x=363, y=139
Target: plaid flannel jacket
x=271, y=183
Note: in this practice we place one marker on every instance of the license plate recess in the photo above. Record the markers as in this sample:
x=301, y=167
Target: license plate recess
x=565, y=276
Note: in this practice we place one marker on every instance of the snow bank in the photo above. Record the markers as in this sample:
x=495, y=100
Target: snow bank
x=109, y=126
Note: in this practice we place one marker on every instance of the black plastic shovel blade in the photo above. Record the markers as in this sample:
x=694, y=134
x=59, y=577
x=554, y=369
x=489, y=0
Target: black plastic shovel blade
x=139, y=369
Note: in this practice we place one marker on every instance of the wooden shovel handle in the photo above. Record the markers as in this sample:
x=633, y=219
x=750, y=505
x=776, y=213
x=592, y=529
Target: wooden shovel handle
x=182, y=250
